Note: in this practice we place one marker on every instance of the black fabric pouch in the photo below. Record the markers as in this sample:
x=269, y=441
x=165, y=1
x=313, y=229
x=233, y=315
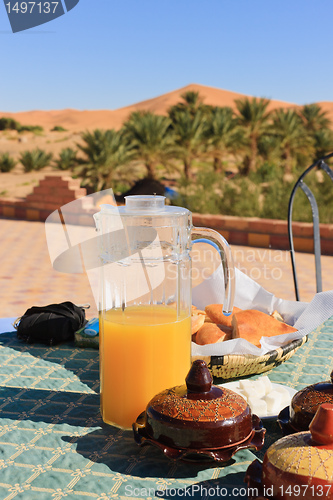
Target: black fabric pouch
x=50, y=324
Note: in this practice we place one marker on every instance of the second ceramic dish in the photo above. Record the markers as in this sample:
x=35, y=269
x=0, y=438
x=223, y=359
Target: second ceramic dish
x=234, y=386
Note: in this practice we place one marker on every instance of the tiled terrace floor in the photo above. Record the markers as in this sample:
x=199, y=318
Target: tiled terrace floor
x=27, y=277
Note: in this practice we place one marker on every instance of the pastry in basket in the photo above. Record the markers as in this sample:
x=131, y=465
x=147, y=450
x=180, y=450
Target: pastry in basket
x=252, y=325
x=275, y=314
x=211, y=326
x=197, y=319
x=210, y=333
x=215, y=314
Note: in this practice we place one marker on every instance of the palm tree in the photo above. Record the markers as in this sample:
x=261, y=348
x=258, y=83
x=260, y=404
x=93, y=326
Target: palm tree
x=314, y=117
x=323, y=143
x=35, y=159
x=268, y=148
x=7, y=162
x=253, y=116
x=150, y=137
x=103, y=153
x=67, y=159
x=223, y=135
x=293, y=137
x=191, y=101
x=189, y=134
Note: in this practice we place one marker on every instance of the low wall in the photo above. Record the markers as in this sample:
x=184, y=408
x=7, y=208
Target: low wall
x=56, y=191
x=266, y=233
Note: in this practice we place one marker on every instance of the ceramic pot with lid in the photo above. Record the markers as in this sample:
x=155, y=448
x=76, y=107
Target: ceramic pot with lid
x=298, y=416
x=297, y=466
x=199, y=419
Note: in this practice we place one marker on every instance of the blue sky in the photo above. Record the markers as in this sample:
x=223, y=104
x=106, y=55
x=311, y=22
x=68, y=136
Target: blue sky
x=105, y=54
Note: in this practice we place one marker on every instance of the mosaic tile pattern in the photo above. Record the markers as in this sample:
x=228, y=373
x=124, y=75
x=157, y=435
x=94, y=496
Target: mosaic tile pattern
x=53, y=443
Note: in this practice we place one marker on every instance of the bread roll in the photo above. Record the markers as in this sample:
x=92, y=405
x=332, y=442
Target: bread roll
x=275, y=314
x=215, y=313
x=209, y=333
x=197, y=320
x=252, y=325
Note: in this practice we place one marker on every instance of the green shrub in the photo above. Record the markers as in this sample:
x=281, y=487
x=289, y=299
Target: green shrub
x=36, y=129
x=11, y=124
x=191, y=193
x=58, y=128
x=7, y=163
x=275, y=199
x=268, y=197
x=240, y=197
x=8, y=124
x=324, y=198
x=214, y=194
x=267, y=172
x=120, y=187
x=35, y=159
x=322, y=191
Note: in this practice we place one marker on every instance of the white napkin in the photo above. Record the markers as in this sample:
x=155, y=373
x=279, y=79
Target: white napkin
x=250, y=295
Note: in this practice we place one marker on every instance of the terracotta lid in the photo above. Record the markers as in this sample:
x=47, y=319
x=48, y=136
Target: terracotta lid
x=303, y=459
x=198, y=416
x=306, y=402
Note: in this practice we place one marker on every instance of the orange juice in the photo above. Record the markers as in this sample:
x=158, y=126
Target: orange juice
x=143, y=350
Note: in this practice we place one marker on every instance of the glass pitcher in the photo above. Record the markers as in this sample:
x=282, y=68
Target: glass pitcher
x=145, y=301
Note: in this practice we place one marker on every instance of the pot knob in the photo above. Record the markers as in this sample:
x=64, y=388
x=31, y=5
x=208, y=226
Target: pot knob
x=321, y=426
x=199, y=379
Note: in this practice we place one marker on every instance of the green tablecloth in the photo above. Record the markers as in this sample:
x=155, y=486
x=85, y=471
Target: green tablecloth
x=53, y=444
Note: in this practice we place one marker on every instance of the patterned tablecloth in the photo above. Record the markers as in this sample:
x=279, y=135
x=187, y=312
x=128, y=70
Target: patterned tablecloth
x=53, y=444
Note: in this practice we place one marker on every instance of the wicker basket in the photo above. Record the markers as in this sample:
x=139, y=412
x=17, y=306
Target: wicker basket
x=233, y=366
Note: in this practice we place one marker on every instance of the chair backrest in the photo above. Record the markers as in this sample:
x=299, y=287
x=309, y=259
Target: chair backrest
x=315, y=218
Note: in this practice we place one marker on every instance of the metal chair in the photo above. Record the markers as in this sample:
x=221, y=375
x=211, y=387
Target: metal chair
x=315, y=218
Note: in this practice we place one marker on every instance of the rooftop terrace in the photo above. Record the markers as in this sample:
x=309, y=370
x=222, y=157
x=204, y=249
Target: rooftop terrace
x=27, y=277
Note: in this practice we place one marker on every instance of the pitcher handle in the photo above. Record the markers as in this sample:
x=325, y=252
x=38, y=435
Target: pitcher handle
x=215, y=239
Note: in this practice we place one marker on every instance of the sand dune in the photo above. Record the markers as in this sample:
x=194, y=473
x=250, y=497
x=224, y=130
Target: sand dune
x=76, y=121
x=210, y=95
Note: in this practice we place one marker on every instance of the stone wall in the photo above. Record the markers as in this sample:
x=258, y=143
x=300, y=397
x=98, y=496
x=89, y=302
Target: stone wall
x=55, y=191
x=266, y=233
